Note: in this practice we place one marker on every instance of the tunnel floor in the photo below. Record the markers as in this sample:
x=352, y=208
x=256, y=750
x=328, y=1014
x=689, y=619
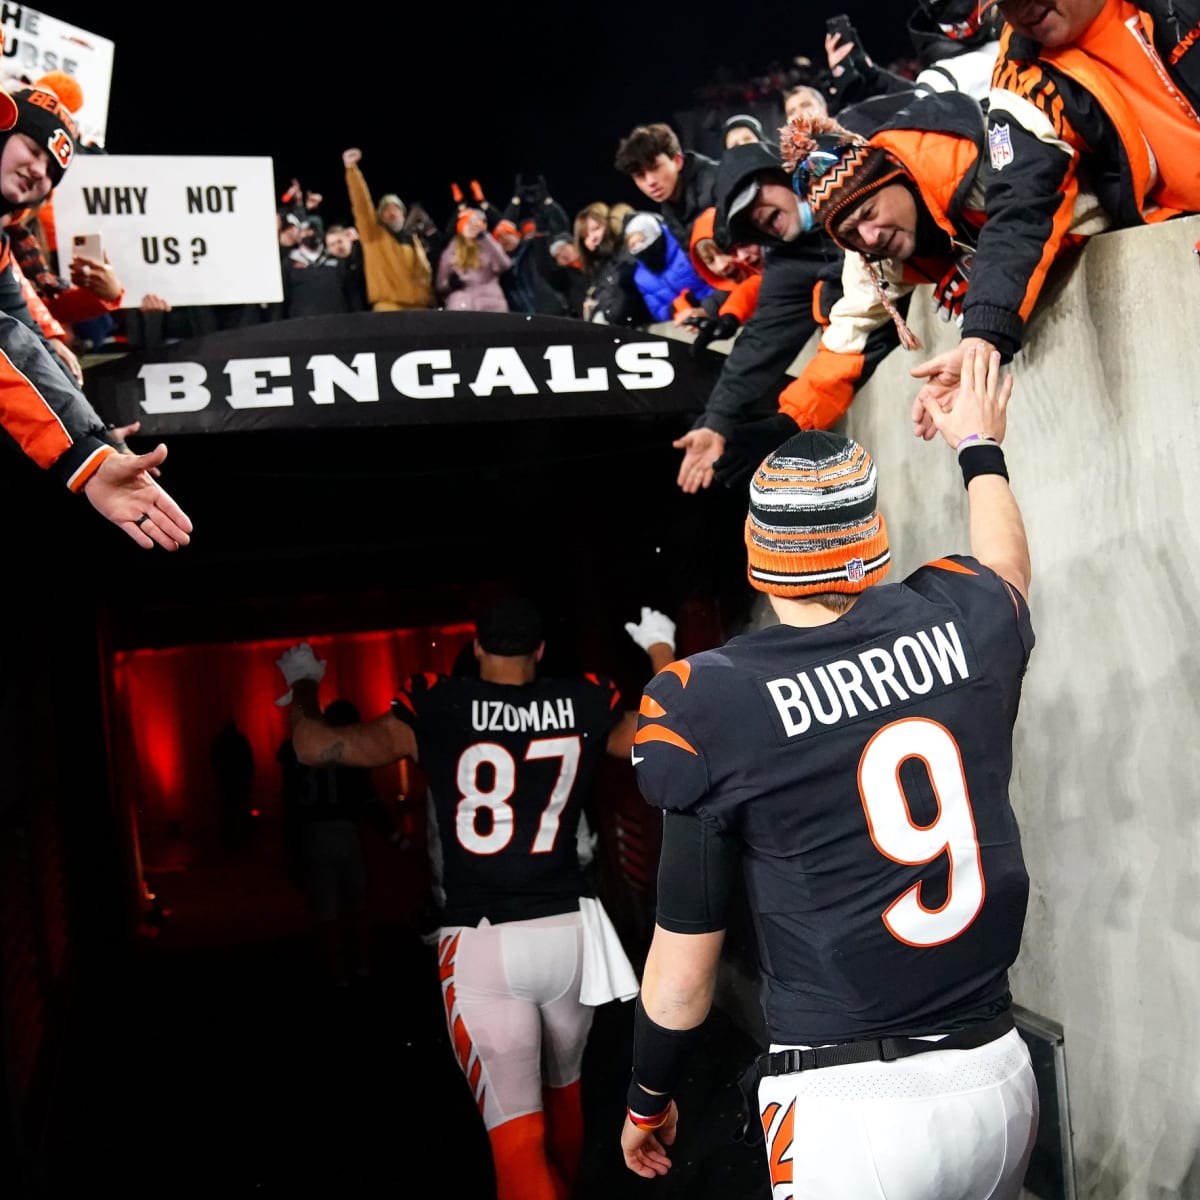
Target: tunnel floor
x=214, y=1059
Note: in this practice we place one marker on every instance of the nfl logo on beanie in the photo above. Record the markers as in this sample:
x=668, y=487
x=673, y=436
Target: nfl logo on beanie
x=813, y=526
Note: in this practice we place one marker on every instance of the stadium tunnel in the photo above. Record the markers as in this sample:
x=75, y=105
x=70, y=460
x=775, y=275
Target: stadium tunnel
x=374, y=525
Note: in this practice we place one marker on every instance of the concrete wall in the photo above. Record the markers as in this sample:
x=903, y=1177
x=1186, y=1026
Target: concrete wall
x=1104, y=456
x=1103, y=451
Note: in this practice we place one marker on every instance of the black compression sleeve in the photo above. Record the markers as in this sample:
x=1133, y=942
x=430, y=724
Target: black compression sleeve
x=697, y=869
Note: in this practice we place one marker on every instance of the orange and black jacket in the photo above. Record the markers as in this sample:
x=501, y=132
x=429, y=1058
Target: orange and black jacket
x=938, y=139
x=741, y=296
x=1054, y=116
x=47, y=417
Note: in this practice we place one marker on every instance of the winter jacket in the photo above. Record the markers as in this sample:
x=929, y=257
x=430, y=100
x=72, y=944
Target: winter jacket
x=44, y=413
x=616, y=299
x=526, y=283
x=800, y=281
x=317, y=285
x=477, y=289
x=697, y=191
x=1118, y=108
x=939, y=140
x=397, y=271
x=664, y=290
x=740, y=296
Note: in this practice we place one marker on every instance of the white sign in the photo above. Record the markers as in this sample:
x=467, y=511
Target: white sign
x=193, y=230
x=35, y=44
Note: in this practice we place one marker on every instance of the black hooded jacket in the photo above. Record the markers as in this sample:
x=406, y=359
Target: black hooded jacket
x=698, y=187
x=801, y=279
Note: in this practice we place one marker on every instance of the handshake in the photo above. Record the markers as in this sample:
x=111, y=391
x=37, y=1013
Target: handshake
x=296, y=663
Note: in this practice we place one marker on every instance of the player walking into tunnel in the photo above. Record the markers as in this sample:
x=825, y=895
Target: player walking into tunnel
x=510, y=757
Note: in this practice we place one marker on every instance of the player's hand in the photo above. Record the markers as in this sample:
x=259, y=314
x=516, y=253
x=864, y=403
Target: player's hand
x=982, y=404
x=653, y=628
x=701, y=449
x=645, y=1149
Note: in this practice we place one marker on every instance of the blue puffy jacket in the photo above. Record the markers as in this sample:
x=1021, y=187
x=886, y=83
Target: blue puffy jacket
x=678, y=275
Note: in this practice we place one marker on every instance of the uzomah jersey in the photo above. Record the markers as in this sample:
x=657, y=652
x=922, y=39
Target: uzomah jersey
x=509, y=767
x=863, y=768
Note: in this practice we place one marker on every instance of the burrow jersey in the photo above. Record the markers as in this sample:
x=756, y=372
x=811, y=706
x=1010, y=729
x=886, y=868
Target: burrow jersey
x=863, y=766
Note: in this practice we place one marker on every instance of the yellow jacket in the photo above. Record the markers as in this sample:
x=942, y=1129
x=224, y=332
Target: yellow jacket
x=398, y=273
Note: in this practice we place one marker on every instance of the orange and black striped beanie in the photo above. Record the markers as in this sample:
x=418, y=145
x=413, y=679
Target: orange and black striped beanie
x=813, y=525
x=833, y=170
x=861, y=170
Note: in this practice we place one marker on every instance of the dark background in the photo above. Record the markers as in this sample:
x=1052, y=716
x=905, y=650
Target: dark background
x=435, y=93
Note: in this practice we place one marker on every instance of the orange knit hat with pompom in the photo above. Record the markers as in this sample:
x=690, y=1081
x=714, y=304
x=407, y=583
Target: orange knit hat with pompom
x=65, y=87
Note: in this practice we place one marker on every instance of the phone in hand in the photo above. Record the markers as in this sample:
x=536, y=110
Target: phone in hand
x=88, y=245
x=843, y=27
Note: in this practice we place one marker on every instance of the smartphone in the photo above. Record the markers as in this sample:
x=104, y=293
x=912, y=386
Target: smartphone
x=88, y=245
x=844, y=28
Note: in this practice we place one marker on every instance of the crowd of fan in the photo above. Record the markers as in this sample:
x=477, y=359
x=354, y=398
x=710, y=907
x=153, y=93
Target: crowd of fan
x=609, y=263
x=693, y=254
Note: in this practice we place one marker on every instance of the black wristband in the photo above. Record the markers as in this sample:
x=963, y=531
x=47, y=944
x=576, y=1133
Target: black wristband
x=981, y=458
x=644, y=1104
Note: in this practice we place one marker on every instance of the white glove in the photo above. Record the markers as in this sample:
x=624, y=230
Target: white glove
x=299, y=662
x=654, y=627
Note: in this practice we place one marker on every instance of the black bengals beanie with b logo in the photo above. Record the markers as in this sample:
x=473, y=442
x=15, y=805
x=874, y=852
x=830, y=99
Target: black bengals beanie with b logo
x=813, y=524
x=44, y=118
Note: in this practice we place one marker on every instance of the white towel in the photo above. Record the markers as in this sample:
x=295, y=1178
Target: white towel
x=607, y=971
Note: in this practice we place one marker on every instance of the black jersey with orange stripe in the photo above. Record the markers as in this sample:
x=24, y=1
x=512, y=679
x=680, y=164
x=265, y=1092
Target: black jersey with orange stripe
x=863, y=766
x=509, y=770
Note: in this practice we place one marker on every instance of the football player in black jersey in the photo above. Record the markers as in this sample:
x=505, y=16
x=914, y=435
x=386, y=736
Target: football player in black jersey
x=852, y=764
x=509, y=757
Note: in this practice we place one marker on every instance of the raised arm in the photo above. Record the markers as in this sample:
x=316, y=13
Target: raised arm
x=975, y=428
x=376, y=743
x=655, y=633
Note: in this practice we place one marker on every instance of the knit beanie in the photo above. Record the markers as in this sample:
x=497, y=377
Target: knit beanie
x=833, y=170
x=390, y=198
x=44, y=118
x=813, y=526
x=505, y=226
x=745, y=120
